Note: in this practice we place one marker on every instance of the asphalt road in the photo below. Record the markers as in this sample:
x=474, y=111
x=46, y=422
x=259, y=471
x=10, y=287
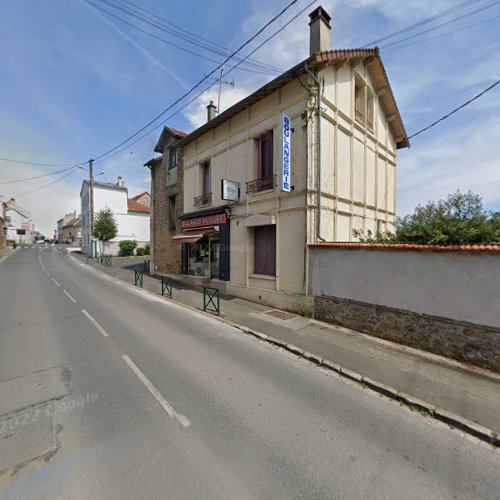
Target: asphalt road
x=109, y=392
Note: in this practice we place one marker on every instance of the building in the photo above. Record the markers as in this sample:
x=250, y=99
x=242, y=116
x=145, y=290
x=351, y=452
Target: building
x=3, y=227
x=131, y=215
x=309, y=157
x=167, y=182
x=18, y=223
x=71, y=231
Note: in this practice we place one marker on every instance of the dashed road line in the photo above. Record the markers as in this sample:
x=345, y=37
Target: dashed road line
x=55, y=281
x=69, y=296
x=156, y=393
x=95, y=323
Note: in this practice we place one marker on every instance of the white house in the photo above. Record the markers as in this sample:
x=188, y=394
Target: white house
x=18, y=223
x=131, y=215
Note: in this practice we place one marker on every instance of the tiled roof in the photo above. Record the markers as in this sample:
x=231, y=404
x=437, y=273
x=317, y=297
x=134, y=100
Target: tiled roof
x=408, y=246
x=136, y=198
x=133, y=206
x=178, y=132
x=318, y=60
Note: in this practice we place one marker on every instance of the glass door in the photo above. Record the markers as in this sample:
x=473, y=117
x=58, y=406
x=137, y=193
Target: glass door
x=214, y=256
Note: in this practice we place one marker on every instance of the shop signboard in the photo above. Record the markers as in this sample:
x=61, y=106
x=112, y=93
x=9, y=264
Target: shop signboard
x=205, y=220
x=285, y=153
x=230, y=190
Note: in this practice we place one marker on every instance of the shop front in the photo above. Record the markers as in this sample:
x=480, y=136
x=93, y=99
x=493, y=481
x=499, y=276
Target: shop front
x=205, y=244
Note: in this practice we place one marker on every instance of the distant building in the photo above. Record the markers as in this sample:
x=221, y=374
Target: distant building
x=3, y=228
x=71, y=231
x=18, y=223
x=132, y=215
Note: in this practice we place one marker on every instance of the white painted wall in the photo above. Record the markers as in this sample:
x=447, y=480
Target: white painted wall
x=14, y=221
x=462, y=285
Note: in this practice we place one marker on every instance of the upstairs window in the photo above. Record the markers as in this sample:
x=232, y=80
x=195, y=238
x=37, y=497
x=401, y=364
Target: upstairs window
x=206, y=181
x=359, y=100
x=173, y=158
x=370, y=111
x=265, y=155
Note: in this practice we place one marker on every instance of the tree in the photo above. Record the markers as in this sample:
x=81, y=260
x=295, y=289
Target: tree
x=460, y=219
x=105, y=226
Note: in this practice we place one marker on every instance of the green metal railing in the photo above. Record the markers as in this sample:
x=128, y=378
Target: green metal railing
x=211, y=300
x=138, y=278
x=166, y=286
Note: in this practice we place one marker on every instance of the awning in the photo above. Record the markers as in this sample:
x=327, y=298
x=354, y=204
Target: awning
x=191, y=236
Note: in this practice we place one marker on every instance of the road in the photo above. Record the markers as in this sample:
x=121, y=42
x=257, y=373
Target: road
x=109, y=392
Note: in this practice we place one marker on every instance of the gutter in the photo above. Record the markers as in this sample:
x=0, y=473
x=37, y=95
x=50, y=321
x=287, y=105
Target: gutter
x=318, y=138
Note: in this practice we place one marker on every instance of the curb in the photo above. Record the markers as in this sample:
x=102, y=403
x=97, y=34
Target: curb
x=480, y=432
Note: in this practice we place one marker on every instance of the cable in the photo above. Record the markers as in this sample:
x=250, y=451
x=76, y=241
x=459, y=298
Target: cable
x=211, y=85
x=491, y=87
x=422, y=22
x=37, y=176
x=168, y=42
x=37, y=164
x=440, y=25
x=157, y=117
x=48, y=184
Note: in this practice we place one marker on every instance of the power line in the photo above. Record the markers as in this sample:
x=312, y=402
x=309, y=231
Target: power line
x=491, y=87
x=168, y=42
x=422, y=22
x=48, y=184
x=432, y=28
x=37, y=164
x=194, y=87
x=185, y=105
x=37, y=176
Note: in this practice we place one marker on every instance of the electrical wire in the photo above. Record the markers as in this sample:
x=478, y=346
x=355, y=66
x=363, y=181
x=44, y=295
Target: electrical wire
x=37, y=176
x=194, y=87
x=486, y=90
x=48, y=184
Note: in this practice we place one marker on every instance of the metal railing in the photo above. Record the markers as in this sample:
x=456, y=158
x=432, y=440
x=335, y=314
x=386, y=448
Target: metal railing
x=166, y=286
x=203, y=199
x=138, y=278
x=261, y=184
x=147, y=266
x=211, y=300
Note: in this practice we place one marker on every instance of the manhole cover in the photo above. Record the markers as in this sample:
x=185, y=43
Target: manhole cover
x=279, y=314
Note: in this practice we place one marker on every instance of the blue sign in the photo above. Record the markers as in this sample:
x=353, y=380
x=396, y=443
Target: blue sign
x=286, y=154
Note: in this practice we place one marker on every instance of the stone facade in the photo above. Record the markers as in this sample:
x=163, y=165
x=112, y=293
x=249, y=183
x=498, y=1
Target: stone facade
x=166, y=183
x=471, y=343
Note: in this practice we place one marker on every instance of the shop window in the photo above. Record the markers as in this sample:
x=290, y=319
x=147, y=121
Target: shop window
x=171, y=213
x=265, y=250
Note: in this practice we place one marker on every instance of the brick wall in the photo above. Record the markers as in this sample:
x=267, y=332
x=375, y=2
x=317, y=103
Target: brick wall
x=166, y=252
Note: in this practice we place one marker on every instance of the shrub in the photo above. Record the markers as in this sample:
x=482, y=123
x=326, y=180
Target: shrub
x=140, y=251
x=127, y=247
x=147, y=249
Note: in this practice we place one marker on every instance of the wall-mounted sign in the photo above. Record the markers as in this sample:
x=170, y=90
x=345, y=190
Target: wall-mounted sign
x=230, y=190
x=286, y=154
x=206, y=220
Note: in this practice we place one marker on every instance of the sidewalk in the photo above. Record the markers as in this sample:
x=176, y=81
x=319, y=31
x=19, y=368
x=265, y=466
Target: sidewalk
x=5, y=252
x=425, y=381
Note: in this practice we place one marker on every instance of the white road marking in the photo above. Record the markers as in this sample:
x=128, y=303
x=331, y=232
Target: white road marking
x=69, y=297
x=42, y=264
x=156, y=393
x=95, y=323
x=55, y=281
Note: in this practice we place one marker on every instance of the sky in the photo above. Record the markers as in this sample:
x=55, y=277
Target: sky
x=76, y=82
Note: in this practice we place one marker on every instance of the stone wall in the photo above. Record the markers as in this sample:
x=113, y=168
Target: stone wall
x=442, y=300
x=165, y=251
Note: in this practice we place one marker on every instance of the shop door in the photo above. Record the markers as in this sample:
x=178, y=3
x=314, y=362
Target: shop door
x=214, y=257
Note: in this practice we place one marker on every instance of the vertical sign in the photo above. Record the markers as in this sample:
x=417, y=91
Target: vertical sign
x=286, y=175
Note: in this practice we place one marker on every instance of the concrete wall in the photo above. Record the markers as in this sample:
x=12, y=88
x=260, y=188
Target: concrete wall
x=446, y=302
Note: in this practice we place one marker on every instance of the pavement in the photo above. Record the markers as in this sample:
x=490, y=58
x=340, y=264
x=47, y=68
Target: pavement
x=459, y=394
x=108, y=391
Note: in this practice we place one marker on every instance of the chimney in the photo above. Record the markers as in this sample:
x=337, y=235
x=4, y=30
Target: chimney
x=120, y=182
x=211, y=111
x=320, y=31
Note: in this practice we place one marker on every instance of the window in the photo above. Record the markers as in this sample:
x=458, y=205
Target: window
x=359, y=100
x=264, y=164
x=265, y=250
x=370, y=110
x=206, y=186
x=173, y=158
x=171, y=213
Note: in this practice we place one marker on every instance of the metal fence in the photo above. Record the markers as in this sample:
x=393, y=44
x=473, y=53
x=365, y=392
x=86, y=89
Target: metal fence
x=211, y=300
x=166, y=286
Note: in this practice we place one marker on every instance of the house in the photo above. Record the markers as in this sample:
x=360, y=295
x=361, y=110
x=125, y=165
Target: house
x=18, y=223
x=71, y=232
x=309, y=157
x=167, y=199
x=131, y=215
x=3, y=228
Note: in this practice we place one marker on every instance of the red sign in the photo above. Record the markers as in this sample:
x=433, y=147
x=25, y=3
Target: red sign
x=206, y=220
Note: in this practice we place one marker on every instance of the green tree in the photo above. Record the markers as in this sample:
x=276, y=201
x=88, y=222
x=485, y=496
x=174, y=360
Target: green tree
x=459, y=219
x=105, y=227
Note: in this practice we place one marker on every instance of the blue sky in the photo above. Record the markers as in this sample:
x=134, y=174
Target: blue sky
x=75, y=82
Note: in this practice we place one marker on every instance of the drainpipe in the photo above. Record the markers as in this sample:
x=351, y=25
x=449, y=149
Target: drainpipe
x=318, y=137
